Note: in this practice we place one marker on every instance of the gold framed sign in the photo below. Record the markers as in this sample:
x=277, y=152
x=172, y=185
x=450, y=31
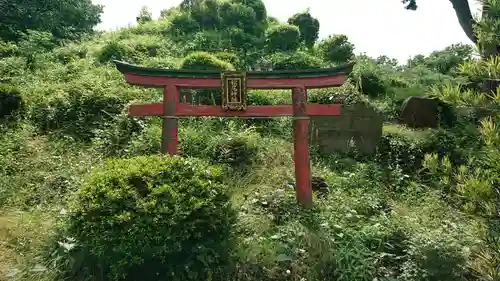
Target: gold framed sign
x=234, y=91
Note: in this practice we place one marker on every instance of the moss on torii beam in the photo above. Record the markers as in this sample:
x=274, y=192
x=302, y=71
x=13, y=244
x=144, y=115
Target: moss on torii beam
x=127, y=68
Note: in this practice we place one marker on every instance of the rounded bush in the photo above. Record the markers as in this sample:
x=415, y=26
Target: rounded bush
x=284, y=37
x=205, y=61
x=152, y=218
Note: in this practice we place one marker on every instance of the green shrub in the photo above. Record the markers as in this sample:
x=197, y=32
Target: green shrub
x=156, y=27
x=237, y=152
x=259, y=98
x=114, y=50
x=36, y=172
x=205, y=61
x=75, y=114
x=232, y=58
x=70, y=53
x=11, y=69
x=152, y=218
x=183, y=23
x=433, y=259
x=283, y=38
x=133, y=49
x=346, y=94
x=204, y=41
x=113, y=137
x=424, y=77
x=396, y=151
x=295, y=60
x=370, y=83
x=227, y=143
x=161, y=62
x=7, y=49
x=147, y=142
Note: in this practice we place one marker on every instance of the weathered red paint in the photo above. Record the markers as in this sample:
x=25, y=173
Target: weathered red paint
x=183, y=109
x=301, y=147
x=171, y=109
x=170, y=139
x=268, y=83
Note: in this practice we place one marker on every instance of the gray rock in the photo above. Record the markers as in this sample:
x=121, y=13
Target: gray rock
x=420, y=112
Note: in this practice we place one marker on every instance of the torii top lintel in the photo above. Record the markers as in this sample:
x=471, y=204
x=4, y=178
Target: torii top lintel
x=283, y=79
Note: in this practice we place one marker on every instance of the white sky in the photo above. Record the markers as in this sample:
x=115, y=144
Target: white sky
x=377, y=27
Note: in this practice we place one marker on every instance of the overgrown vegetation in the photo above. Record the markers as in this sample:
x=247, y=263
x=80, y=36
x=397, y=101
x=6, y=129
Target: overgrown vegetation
x=85, y=194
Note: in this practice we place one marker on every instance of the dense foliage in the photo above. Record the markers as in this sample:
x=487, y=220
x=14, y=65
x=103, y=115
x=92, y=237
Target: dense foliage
x=308, y=26
x=64, y=19
x=137, y=216
x=336, y=49
x=283, y=38
x=84, y=194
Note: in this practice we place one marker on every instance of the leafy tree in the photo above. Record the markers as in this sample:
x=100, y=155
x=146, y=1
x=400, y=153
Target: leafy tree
x=206, y=13
x=284, y=37
x=258, y=7
x=235, y=15
x=166, y=13
x=484, y=32
x=189, y=4
x=386, y=61
x=244, y=42
x=336, y=49
x=144, y=15
x=66, y=19
x=183, y=22
x=444, y=61
x=308, y=26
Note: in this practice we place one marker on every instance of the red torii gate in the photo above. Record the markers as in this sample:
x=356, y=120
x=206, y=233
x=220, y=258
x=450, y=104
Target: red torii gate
x=234, y=98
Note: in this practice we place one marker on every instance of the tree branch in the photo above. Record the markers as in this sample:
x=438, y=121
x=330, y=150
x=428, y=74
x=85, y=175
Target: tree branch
x=464, y=16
